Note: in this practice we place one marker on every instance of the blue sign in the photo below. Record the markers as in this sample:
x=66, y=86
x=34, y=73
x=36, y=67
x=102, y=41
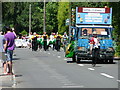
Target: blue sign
x=93, y=16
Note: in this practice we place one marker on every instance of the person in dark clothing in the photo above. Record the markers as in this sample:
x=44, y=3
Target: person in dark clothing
x=58, y=42
x=34, y=43
x=45, y=36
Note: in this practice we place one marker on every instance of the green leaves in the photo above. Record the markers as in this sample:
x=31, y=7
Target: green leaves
x=63, y=14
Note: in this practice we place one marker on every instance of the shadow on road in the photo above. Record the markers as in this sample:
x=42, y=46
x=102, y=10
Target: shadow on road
x=16, y=58
x=18, y=75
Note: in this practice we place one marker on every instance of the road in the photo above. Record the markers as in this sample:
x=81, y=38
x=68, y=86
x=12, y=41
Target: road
x=50, y=69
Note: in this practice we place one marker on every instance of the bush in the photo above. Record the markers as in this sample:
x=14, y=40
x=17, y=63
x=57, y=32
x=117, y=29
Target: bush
x=24, y=32
x=118, y=51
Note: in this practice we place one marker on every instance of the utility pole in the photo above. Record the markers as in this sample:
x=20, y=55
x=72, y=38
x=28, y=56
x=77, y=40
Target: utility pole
x=29, y=19
x=0, y=16
x=44, y=22
x=69, y=21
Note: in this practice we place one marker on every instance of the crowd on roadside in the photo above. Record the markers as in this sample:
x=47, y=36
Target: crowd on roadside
x=9, y=41
x=37, y=42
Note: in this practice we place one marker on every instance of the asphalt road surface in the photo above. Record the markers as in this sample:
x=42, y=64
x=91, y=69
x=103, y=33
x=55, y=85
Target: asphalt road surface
x=50, y=69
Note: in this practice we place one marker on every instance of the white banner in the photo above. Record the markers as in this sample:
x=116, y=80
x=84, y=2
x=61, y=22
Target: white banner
x=94, y=10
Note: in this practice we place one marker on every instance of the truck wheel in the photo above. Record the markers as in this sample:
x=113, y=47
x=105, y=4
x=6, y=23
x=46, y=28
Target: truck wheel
x=106, y=60
x=77, y=60
x=111, y=61
x=101, y=61
x=74, y=58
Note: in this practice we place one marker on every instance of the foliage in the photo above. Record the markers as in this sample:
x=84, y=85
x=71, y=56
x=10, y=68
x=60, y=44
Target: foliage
x=24, y=32
x=116, y=20
x=63, y=14
x=51, y=17
x=17, y=14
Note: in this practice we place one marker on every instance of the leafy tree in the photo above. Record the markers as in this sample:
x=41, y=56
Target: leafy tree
x=116, y=20
x=63, y=14
x=37, y=17
x=51, y=17
x=16, y=14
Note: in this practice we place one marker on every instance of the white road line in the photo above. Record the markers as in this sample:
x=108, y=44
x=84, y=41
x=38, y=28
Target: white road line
x=73, y=86
x=14, y=81
x=118, y=80
x=81, y=65
x=59, y=56
x=106, y=75
x=66, y=84
x=91, y=69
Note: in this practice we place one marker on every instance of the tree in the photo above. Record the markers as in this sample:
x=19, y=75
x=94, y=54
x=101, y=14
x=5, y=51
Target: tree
x=116, y=20
x=37, y=17
x=63, y=14
x=51, y=17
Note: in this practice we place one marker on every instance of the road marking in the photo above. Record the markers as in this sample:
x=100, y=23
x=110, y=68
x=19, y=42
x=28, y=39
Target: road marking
x=66, y=84
x=91, y=69
x=106, y=75
x=14, y=80
x=118, y=80
x=73, y=86
x=59, y=56
x=65, y=58
x=48, y=53
x=81, y=65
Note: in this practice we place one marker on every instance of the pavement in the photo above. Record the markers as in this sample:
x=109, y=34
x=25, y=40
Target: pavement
x=6, y=81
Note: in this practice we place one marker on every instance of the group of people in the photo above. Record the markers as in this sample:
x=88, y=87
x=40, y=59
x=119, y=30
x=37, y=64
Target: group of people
x=54, y=41
x=7, y=45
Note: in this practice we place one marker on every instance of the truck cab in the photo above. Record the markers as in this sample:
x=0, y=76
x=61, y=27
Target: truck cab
x=82, y=44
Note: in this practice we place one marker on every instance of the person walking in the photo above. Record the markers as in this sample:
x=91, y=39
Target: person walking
x=95, y=46
x=58, y=41
x=65, y=38
x=52, y=40
x=34, y=42
x=2, y=54
x=9, y=47
x=39, y=40
x=45, y=37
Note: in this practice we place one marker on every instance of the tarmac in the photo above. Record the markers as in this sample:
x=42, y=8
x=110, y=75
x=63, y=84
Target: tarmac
x=6, y=81
x=9, y=81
